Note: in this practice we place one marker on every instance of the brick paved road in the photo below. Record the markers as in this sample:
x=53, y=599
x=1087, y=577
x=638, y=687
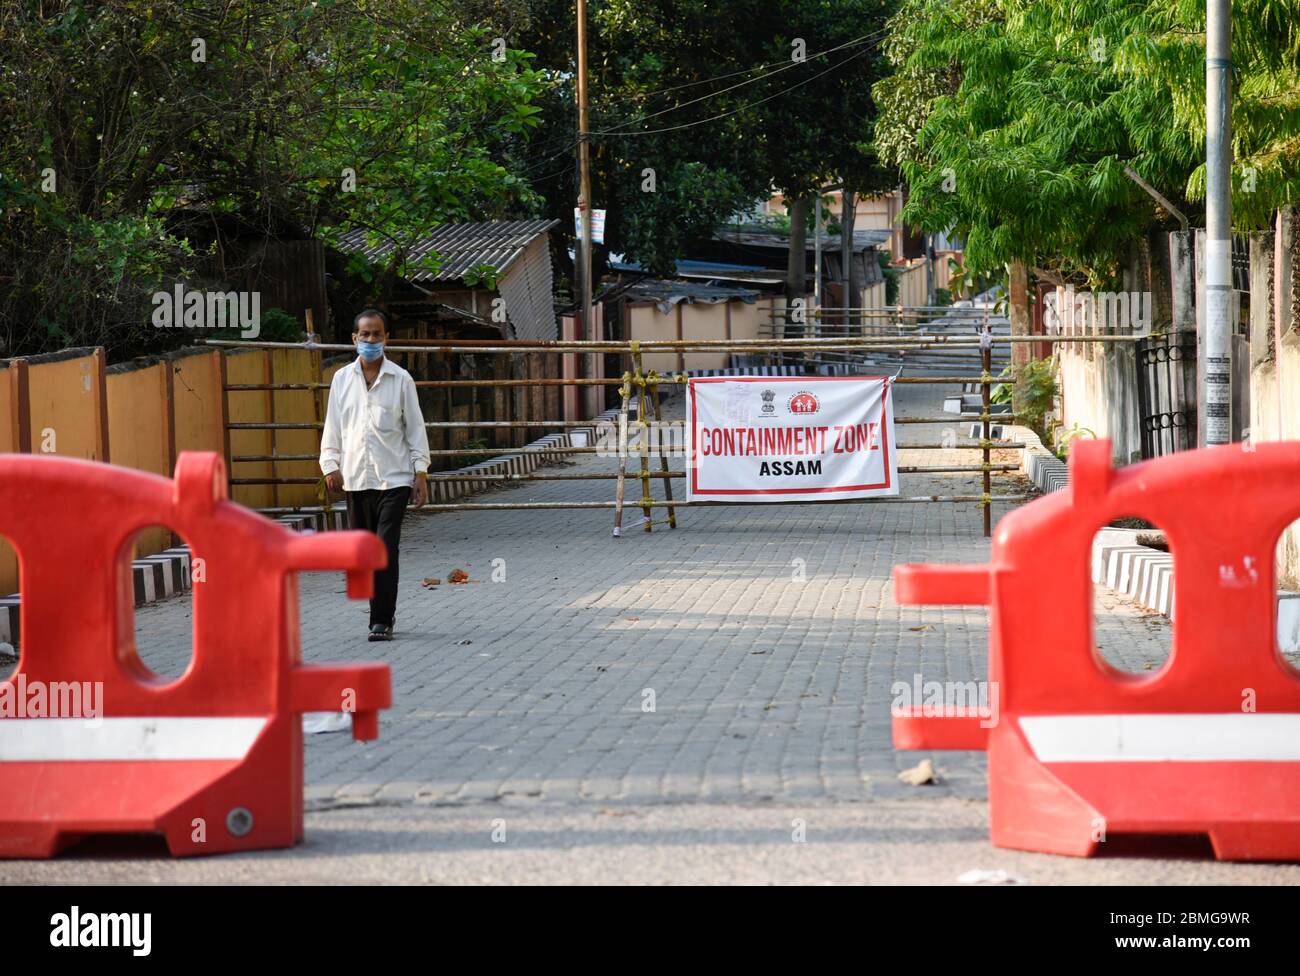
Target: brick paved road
x=528, y=692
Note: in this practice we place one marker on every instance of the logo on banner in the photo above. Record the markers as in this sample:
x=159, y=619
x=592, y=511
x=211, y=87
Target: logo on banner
x=768, y=396
x=803, y=403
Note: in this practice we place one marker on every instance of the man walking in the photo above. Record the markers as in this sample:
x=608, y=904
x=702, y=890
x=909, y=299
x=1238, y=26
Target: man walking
x=375, y=448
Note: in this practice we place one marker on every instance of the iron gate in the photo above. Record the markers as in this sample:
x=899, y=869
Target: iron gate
x=1166, y=366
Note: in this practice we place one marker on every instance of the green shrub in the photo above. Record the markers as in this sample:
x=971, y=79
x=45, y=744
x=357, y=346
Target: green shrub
x=1033, y=395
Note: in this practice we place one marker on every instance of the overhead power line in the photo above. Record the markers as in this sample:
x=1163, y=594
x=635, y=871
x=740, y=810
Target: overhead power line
x=783, y=66
x=723, y=115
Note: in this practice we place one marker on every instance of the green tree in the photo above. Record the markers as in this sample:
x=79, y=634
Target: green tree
x=171, y=127
x=707, y=103
x=1027, y=113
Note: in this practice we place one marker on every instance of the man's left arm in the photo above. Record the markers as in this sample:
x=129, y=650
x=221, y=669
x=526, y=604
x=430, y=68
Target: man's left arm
x=417, y=441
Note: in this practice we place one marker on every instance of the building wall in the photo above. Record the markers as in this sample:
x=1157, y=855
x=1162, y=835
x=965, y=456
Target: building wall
x=1275, y=416
x=698, y=321
x=1274, y=356
x=1099, y=393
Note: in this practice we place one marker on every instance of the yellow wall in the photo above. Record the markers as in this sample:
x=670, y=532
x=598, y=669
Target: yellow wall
x=8, y=559
x=137, y=435
x=7, y=424
x=647, y=324
x=64, y=407
x=249, y=407
x=296, y=407
x=701, y=321
x=136, y=427
x=196, y=382
x=289, y=406
x=65, y=403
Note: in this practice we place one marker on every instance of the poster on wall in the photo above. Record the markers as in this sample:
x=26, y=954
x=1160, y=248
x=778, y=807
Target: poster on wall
x=787, y=438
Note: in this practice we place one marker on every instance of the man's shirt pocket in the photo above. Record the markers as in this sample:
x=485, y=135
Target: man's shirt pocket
x=385, y=419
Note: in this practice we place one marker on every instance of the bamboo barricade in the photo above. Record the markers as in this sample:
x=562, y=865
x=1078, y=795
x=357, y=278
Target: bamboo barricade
x=649, y=424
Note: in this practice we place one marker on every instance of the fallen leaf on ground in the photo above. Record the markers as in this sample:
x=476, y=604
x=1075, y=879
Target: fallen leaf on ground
x=922, y=627
x=458, y=576
x=920, y=774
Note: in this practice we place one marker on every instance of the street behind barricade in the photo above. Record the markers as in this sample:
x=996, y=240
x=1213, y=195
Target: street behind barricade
x=710, y=703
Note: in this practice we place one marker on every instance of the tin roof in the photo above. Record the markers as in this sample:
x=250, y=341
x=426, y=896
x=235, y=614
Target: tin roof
x=666, y=293
x=862, y=239
x=461, y=247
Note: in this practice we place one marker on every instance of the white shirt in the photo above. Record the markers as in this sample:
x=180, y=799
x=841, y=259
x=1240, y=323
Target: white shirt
x=375, y=436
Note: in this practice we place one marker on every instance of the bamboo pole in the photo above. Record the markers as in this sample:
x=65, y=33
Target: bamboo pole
x=880, y=500
x=663, y=458
x=507, y=477
x=587, y=423
x=581, y=381
x=510, y=451
x=986, y=356
x=698, y=345
x=643, y=435
x=626, y=391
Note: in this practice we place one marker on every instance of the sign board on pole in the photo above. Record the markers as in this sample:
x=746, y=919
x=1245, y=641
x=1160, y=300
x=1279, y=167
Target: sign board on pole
x=597, y=225
x=786, y=438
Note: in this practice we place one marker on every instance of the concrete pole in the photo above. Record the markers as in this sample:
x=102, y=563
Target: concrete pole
x=848, y=220
x=1216, y=346
x=817, y=254
x=928, y=241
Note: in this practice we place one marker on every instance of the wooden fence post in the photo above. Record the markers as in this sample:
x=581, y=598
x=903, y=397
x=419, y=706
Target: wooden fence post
x=21, y=406
x=101, y=405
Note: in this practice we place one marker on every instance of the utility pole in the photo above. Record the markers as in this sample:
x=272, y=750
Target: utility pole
x=584, y=175
x=1216, y=344
x=928, y=241
x=817, y=252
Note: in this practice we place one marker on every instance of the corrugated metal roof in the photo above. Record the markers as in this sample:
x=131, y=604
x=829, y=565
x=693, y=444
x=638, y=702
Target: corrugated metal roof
x=697, y=269
x=666, y=294
x=862, y=239
x=494, y=243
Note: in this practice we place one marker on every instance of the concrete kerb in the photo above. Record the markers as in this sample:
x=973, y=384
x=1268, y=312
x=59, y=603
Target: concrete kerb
x=1146, y=576
x=1039, y=465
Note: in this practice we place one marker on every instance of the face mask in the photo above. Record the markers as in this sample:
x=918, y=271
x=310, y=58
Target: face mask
x=370, y=351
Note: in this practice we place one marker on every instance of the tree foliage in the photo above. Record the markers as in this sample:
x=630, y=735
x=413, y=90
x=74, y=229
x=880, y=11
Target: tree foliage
x=1026, y=114
x=709, y=99
x=156, y=141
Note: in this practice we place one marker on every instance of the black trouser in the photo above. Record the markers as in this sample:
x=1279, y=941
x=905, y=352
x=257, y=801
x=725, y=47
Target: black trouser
x=380, y=511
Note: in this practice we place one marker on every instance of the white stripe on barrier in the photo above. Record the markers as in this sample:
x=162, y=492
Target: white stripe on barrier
x=122, y=739
x=1214, y=737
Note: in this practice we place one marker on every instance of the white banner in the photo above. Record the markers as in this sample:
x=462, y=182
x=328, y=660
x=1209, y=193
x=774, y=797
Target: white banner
x=785, y=438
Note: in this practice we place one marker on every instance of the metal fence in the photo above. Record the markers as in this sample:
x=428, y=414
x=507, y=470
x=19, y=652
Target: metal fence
x=634, y=436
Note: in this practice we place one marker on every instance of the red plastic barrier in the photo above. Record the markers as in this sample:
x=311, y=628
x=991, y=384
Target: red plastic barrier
x=1082, y=752
x=213, y=760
